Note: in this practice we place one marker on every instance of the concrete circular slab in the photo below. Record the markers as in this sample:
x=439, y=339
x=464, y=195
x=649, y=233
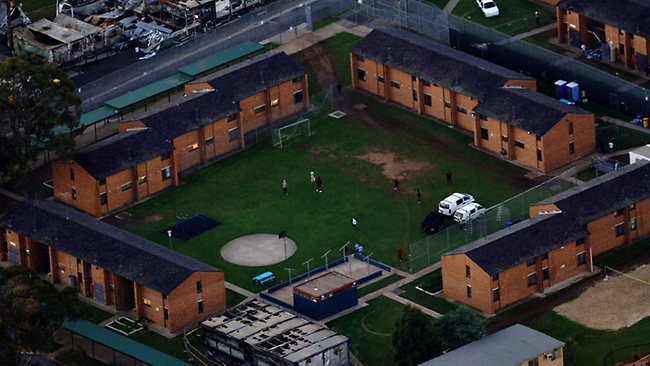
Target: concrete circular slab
x=257, y=250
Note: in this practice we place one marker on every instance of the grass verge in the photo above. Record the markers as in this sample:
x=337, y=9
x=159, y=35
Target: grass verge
x=378, y=285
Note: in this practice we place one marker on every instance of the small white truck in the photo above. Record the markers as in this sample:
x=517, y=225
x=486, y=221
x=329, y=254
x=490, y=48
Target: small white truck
x=469, y=212
x=452, y=203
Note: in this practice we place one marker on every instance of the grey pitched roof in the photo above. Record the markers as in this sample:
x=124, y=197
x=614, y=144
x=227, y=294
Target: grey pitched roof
x=521, y=242
x=437, y=63
x=526, y=109
x=121, y=151
x=629, y=15
x=230, y=85
x=130, y=256
x=508, y=347
x=543, y=233
x=605, y=194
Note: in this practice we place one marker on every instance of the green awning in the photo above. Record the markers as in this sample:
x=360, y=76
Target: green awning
x=122, y=344
x=148, y=91
x=220, y=59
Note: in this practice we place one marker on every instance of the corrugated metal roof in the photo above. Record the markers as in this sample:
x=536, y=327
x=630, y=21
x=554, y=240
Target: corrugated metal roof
x=220, y=59
x=148, y=91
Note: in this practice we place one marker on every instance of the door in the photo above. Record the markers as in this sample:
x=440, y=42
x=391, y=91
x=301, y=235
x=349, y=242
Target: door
x=14, y=255
x=98, y=292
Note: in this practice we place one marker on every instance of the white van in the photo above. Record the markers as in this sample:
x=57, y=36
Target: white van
x=452, y=203
x=469, y=212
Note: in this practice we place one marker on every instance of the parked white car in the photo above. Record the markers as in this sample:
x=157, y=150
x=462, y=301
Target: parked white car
x=452, y=203
x=488, y=7
x=469, y=212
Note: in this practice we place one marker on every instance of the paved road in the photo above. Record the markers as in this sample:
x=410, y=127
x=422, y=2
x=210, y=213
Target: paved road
x=257, y=25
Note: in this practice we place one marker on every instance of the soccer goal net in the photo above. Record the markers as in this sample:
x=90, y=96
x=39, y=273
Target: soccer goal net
x=285, y=133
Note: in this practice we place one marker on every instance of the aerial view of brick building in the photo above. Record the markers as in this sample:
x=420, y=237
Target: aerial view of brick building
x=111, y=266
x=467, y=92
x=150, y=153
x=619, y=25
x=557, y=243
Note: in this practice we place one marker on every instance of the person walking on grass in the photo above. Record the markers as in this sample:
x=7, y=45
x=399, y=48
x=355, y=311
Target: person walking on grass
x=448, y=176
x=418, y=195
x=319, y=184
x=312, y=176
x=285, y=187
x=396, y=185
x=354, y=223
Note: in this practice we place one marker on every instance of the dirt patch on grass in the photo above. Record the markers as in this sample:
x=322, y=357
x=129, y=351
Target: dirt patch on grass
x=614, y=303
x=393, y=168
x=152, y=219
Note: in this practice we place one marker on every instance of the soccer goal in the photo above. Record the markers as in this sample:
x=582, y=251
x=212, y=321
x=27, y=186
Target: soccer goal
x=285, y=133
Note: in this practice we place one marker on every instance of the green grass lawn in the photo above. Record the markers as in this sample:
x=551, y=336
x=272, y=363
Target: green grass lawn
x=340, y=46
x=620, y=257
x=439, y=3
x=623, y=137
x=431, y=283
x=37, y=9
x=515, y=16
x=585, y=346
x=171, y=346
x=391, y=278
x=370, y=331
x=587, y=174
x=91, y=313
x=233, y=298
x=542, y=40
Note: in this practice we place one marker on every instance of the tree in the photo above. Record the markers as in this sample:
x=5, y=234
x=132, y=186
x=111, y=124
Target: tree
x=31, y=310
x=460, y=327
x=36, y=97
x=414, y=339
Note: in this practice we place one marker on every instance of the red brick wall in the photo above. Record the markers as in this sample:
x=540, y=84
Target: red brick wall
x=555, y=143
x=153, y=311
x=455, y=282
x=85, y=185
x=123, y=126
x=183, y=301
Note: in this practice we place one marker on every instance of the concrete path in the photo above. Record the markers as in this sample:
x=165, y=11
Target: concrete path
x=531, y=32
x=451, y=5
x=240, y=290
x=11, y=195
x=404, y=301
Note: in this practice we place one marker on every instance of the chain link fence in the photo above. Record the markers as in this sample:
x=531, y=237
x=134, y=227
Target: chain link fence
x=428, y=251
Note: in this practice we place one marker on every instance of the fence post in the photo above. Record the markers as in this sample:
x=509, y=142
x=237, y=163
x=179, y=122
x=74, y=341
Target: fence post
x=428, y=253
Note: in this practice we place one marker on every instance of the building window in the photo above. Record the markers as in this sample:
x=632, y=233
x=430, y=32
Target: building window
x=545, y=273
x=427, y=99
x=73, y=193
x=166, y=172
x=571, y=128
x=538, y=137
x=232, y=116
x=259, y=109
x=469, y=291
x=209, y=140
x=126, y=186
x=165, y=156
x=199, y=287
x=360, y=58
x=544, y=256
x=519, y=144
x=275, y=103
x=495, y=277
x=633, y=223
x=539, y=155
x=532, y=279
x=102, y=182
x=71, y=174
x=485, y=135
x=147, y=302
x=232, y=134
x=380, y=78
x=530, y=262
x=633, y=206
x=621, y=48
x=620, y=229
x=395, y=84
x=298, y=97
x=533, y=362
x=142, y=179
x=447, y=104
x=496, y=294
x=425, y=82
x=618, y=212
x=580, y=241
x=413, y=78
x=483, y=117
x=461, y=110
x=103, y=198
x=415, y=95
x=572, y=148
x=193, y=146
x=361, y=74
x=297, y=79
x=166, y=313
x=504, y=138
x=468, y=272
x=200, y=306
x=580, y=258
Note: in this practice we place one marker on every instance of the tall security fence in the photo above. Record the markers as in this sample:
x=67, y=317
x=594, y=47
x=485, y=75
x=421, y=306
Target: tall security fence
x=428, y=251
x=502, y=49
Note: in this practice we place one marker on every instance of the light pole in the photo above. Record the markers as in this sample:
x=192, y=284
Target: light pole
x=368, y=261
x=307, y=264
x=289, y=270
x=169, y=234
x=325, y=256
x=343, y=250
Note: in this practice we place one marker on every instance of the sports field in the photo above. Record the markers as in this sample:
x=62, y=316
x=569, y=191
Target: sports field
x=357, y=157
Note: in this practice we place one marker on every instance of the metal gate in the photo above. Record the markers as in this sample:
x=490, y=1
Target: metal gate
x=98, y=291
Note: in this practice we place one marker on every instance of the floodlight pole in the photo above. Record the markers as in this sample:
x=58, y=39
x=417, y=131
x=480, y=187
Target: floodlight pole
x=325, y=255
x=285, y=247
x=368, y=261
x=307, y=263
x=343, y=251
x=169, y=234
x=289, y=270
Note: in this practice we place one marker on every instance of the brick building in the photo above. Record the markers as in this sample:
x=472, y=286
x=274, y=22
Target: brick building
x=151, y=153
x=110, y=266
x=492, y=102
x=619, y=24
x=557, y=243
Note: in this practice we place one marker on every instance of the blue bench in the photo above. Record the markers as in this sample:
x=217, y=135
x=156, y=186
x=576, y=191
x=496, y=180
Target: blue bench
x=264, y=278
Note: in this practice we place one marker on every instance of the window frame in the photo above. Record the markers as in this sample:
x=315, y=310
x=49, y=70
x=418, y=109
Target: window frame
x=361, y=74
x=581, y=259
x=232, y=135
x=531, y=279
x=166, y=172
x=395, y=84
x=126, y=186
x=298, y=96
x=427, y=97
x=485, y=134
